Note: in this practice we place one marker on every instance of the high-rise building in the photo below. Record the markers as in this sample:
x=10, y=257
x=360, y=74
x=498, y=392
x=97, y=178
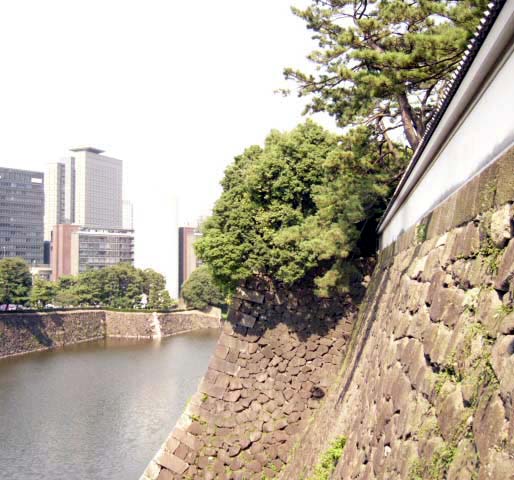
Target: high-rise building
x=84, y=189
x=77, y=249
x=128, y=215
x=21, y=214
x=187, y=261
x=84, y=210
x=98, y=189
x=54, y=197
x=69, y=190
x=158, y=250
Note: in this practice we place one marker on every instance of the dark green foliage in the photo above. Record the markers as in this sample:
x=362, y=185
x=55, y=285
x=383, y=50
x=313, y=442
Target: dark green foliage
x=384, y=62
x=267, y=193
x=200, y=291
x=15, y=281
x=359, y=178
x=298, y=205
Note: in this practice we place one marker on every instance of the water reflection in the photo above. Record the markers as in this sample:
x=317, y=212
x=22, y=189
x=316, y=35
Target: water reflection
x=96, y=410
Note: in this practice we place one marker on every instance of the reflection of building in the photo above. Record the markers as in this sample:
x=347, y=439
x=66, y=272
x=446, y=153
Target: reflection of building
x=77, y=249
x=187, y=261
x=21, y=214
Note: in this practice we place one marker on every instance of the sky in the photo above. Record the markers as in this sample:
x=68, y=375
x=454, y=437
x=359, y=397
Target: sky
x=174, y=89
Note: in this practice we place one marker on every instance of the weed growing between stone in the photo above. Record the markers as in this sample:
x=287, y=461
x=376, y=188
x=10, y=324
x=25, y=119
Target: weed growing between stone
x=465, y=367
x=329, y=460
x=491, y=253
x=421, y=233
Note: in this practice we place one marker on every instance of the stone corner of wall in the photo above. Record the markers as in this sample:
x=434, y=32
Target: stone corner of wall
x=268, y=375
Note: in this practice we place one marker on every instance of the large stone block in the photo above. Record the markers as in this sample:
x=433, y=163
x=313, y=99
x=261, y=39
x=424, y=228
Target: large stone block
x=506, y=268
x=447, y=304
x=466, y=203
x=451, y=413
x=247, y=320
x=505, y=179
x=488, y=424
x=249, y=295
x=502, y=359
x=224, y=366
x=487, y=188
x=187, y=439
x=172, y=463
x=501, y=225
x=211, y=389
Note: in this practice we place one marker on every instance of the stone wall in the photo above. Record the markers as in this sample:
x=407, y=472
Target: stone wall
x=152, y=324
x=27, y=332
x=129, y=325
x=427, y=389
x=277, y=355
x=178, y=322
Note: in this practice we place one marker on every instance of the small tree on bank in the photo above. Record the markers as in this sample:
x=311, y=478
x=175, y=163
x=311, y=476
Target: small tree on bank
x=43, y=292
x=200, y=291
x=15, y=281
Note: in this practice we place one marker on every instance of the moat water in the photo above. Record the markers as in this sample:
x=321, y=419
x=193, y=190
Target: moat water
x=98, y=410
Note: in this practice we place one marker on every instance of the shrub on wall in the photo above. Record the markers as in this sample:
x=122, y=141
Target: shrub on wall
x=299, y=205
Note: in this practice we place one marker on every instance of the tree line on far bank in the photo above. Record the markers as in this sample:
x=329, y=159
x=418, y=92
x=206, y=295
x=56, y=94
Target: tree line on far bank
x=119, y=286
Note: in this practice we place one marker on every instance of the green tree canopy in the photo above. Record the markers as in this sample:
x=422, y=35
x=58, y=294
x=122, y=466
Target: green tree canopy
x=298, y=205
x=266, y=191
x=359, y=178
x=384, y=62
x=200, y=291
x=118, y=286
x=43, y=292
x=15, y=281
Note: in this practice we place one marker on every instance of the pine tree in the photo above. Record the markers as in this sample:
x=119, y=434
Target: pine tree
x=384, y=63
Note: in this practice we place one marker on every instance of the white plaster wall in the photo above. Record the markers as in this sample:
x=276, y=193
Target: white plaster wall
x=486, y=132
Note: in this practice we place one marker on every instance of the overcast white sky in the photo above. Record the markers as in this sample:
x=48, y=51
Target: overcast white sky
x=174, y=89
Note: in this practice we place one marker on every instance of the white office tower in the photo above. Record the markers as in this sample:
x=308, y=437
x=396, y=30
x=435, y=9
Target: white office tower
x=84, y=189
x=69, y=190
x=128, y=215
x=157, y=235
x=98, y=189
x=54, y=197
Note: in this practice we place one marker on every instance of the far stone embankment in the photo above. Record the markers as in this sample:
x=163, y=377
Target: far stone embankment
x=29, y=332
